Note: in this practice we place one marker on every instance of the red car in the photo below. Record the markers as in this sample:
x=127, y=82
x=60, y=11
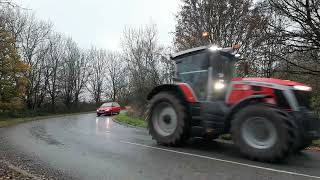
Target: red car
x=109, y=109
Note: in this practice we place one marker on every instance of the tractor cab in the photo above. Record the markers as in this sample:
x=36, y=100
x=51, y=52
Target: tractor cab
x=207, y=70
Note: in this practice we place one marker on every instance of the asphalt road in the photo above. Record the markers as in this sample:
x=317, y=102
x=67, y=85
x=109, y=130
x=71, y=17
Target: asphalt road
x=89, y=147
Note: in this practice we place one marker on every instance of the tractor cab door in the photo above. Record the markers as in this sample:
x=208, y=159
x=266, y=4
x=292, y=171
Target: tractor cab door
x=193, y=70
x=221, y=72
x=214, y=109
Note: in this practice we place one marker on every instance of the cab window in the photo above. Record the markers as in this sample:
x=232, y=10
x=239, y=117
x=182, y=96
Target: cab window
x=193, y=70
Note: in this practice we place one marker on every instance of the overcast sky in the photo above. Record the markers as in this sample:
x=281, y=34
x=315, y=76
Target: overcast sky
x=101, y=22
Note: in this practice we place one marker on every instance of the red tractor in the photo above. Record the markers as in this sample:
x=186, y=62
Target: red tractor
x=268, y=118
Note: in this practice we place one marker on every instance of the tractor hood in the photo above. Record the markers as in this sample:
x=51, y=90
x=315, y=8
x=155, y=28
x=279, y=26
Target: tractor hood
x=270, y=81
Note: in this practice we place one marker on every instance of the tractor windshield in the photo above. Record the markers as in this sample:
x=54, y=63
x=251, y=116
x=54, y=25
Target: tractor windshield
x=222, y=67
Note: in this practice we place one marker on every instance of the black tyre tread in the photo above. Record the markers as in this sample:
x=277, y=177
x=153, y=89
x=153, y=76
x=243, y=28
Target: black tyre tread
x=299, y=142
x=282, y=149
x=182, y=132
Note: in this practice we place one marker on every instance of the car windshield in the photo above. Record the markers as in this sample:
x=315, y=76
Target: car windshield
x=106, y=105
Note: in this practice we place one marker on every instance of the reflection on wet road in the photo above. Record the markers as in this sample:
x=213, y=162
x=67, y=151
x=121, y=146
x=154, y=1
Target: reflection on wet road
x=102, y=125
x=89, y=147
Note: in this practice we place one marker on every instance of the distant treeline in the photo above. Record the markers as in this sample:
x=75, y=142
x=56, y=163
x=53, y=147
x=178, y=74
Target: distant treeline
x=43, y=69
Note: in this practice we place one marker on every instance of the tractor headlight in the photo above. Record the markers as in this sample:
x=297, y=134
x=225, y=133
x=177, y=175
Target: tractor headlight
x=219, y=85
x=302, y=88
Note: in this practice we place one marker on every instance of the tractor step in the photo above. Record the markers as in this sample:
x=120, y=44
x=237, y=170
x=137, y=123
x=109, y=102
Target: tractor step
x=198, y=131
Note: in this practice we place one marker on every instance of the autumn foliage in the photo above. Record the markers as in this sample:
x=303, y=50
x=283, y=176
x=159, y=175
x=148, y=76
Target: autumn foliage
x=12, y=74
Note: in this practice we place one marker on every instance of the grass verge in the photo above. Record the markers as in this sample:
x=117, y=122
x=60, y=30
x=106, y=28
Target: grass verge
x=133, y=121
x=13, y=121
x=316, y=143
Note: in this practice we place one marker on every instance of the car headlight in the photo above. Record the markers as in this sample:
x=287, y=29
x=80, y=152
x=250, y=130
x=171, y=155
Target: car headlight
x=97, y=110
x=302, y=88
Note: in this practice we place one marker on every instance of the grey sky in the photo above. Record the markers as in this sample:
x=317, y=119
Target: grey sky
x=101, y=22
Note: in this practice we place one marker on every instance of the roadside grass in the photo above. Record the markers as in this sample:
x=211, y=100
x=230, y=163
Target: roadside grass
x=226, y=137
x=134, y=121
x=13, y=121
x=316, y=143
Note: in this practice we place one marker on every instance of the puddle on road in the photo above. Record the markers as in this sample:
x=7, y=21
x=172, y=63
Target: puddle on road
x=41, y=133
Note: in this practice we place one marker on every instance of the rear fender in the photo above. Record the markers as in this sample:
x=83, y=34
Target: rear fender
x=182, y=89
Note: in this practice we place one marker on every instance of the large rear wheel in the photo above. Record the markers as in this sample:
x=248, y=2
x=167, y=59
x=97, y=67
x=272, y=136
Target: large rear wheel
x=262, y=133
x=167, y=119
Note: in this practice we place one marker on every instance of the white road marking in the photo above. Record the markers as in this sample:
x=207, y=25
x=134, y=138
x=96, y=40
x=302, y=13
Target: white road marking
x=222, y=160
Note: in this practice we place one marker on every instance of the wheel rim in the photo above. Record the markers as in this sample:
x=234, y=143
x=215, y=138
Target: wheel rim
x=259, y=133
x=164, y=119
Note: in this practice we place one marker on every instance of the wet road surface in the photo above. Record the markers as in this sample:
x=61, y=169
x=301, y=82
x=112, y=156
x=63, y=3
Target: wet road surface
x=89, y=147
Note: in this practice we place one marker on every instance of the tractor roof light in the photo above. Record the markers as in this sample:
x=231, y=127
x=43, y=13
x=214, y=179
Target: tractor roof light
x=205, y=34
x=214, y=48
x=302, y=88
x=236, y=46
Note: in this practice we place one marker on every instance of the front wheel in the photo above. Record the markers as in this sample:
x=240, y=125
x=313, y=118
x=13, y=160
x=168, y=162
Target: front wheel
x=167, y=119
x=262, y=133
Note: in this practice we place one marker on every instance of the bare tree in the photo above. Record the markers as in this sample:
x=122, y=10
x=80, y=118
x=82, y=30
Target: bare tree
x=15, y=22
x=69, y=71
x=143, y=54
x=33, y=37
x=300, y=34
x=54, y=64
x=9, y=3
x=227, y=22
x=167, y=68
x=115, y=76
x=82, y=74
x=96, y=79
